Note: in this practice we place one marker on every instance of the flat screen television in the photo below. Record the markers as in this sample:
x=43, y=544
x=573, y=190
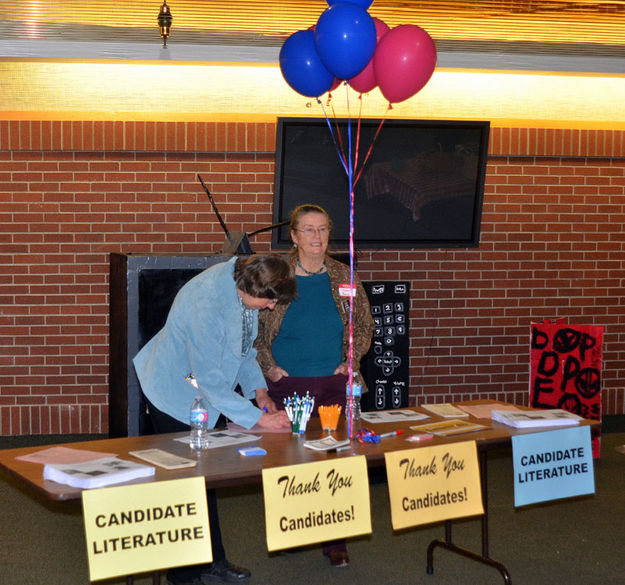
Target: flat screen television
x=421, y=187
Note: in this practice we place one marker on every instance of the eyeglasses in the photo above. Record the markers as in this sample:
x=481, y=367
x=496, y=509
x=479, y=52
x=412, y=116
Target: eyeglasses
x=311, y=231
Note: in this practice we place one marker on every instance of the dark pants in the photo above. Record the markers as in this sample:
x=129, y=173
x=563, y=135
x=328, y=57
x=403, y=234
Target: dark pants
x=163, y=423
x=326, y=390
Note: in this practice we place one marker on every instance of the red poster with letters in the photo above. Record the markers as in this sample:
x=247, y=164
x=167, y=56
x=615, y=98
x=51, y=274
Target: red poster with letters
x=565, y=370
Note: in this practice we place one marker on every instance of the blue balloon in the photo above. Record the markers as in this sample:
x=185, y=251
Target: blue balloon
x=301, y=67
x=364, y=3
x=345, y=38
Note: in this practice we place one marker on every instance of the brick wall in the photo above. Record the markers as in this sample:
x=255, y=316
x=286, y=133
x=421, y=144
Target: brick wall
x=72, y=192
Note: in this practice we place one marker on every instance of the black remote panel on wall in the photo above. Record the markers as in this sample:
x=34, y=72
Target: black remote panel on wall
x=385, y=367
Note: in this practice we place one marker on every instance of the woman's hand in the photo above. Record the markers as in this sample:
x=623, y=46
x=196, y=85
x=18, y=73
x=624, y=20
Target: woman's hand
x=342, y=369
x=277, y=421
x=274, y=373
x=264, y=402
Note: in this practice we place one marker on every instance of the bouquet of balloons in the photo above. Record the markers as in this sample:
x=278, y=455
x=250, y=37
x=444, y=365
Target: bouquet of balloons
x=348, y=44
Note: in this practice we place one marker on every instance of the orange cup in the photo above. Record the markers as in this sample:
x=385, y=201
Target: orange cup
x=329, y=416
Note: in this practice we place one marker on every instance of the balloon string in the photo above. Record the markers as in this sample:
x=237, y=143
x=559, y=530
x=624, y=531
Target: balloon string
x=350, y=354
x=347, y=165
x=340, y=145
x=358, y=139
x=334, y=141
x=338, y=130
x=364, y=162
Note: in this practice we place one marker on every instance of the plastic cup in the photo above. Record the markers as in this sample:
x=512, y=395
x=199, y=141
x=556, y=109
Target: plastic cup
x=329, y=417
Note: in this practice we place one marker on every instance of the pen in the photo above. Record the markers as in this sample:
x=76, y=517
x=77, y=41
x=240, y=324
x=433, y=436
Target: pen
x=338, y=449
x=391, y=434
x=265, y=409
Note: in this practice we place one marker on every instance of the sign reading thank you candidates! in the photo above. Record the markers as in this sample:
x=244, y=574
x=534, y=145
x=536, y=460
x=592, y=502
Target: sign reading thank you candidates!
x=433, y=483
x=315, y=502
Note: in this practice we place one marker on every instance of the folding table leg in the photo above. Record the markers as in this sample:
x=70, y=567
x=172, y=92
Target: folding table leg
x=156, y=578
x=484, y=558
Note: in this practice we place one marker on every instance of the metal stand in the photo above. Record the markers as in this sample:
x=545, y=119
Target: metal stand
x=483, y=558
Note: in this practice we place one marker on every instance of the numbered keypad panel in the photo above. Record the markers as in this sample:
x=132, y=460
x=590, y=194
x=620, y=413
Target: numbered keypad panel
x=386, y=368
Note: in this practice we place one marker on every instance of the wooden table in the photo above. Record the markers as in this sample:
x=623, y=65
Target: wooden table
x=223, y=467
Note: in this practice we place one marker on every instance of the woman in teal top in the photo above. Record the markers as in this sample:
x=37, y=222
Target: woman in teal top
x=310, y=340
x=303, y=346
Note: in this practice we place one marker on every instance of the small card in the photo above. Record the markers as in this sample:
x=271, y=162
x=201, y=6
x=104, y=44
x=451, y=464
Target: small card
x=163, y=458
x=445, y=410
x=447, y=428
x=419, y=437
x=251, y=451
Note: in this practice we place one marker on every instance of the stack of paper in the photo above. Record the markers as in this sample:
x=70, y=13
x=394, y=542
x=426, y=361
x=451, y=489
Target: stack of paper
x=96, y=473
x=392, y=416
x=535, y=418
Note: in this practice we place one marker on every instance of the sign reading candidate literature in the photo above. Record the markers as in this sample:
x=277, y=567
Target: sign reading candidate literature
x=315, y=502
x=552, y=465
x=145, y=527
x=433, y=483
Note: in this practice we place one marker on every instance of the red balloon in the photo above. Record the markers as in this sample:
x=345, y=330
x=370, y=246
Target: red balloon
x=365, y=81
x=404, y=62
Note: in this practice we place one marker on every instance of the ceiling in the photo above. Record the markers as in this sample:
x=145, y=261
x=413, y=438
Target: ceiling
x=499, y=34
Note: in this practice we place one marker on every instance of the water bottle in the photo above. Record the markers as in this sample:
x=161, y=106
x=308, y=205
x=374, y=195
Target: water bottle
x=356, y=393
x=198, y=421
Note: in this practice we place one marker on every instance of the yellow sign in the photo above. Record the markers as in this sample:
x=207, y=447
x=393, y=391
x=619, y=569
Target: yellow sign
x=436, y=483
x=146, y=527
x=314, y=502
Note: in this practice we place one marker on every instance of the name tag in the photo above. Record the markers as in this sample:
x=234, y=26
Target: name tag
x=344, y=290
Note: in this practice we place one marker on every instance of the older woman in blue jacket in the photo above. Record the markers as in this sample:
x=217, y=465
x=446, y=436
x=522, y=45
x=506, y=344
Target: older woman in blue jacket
x=209, y=332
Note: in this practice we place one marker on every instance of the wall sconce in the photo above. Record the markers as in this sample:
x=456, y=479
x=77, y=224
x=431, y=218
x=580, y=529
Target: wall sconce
x=164, y=22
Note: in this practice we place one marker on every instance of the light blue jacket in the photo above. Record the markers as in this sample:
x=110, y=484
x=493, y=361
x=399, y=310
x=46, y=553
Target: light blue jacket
x=203, y=336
